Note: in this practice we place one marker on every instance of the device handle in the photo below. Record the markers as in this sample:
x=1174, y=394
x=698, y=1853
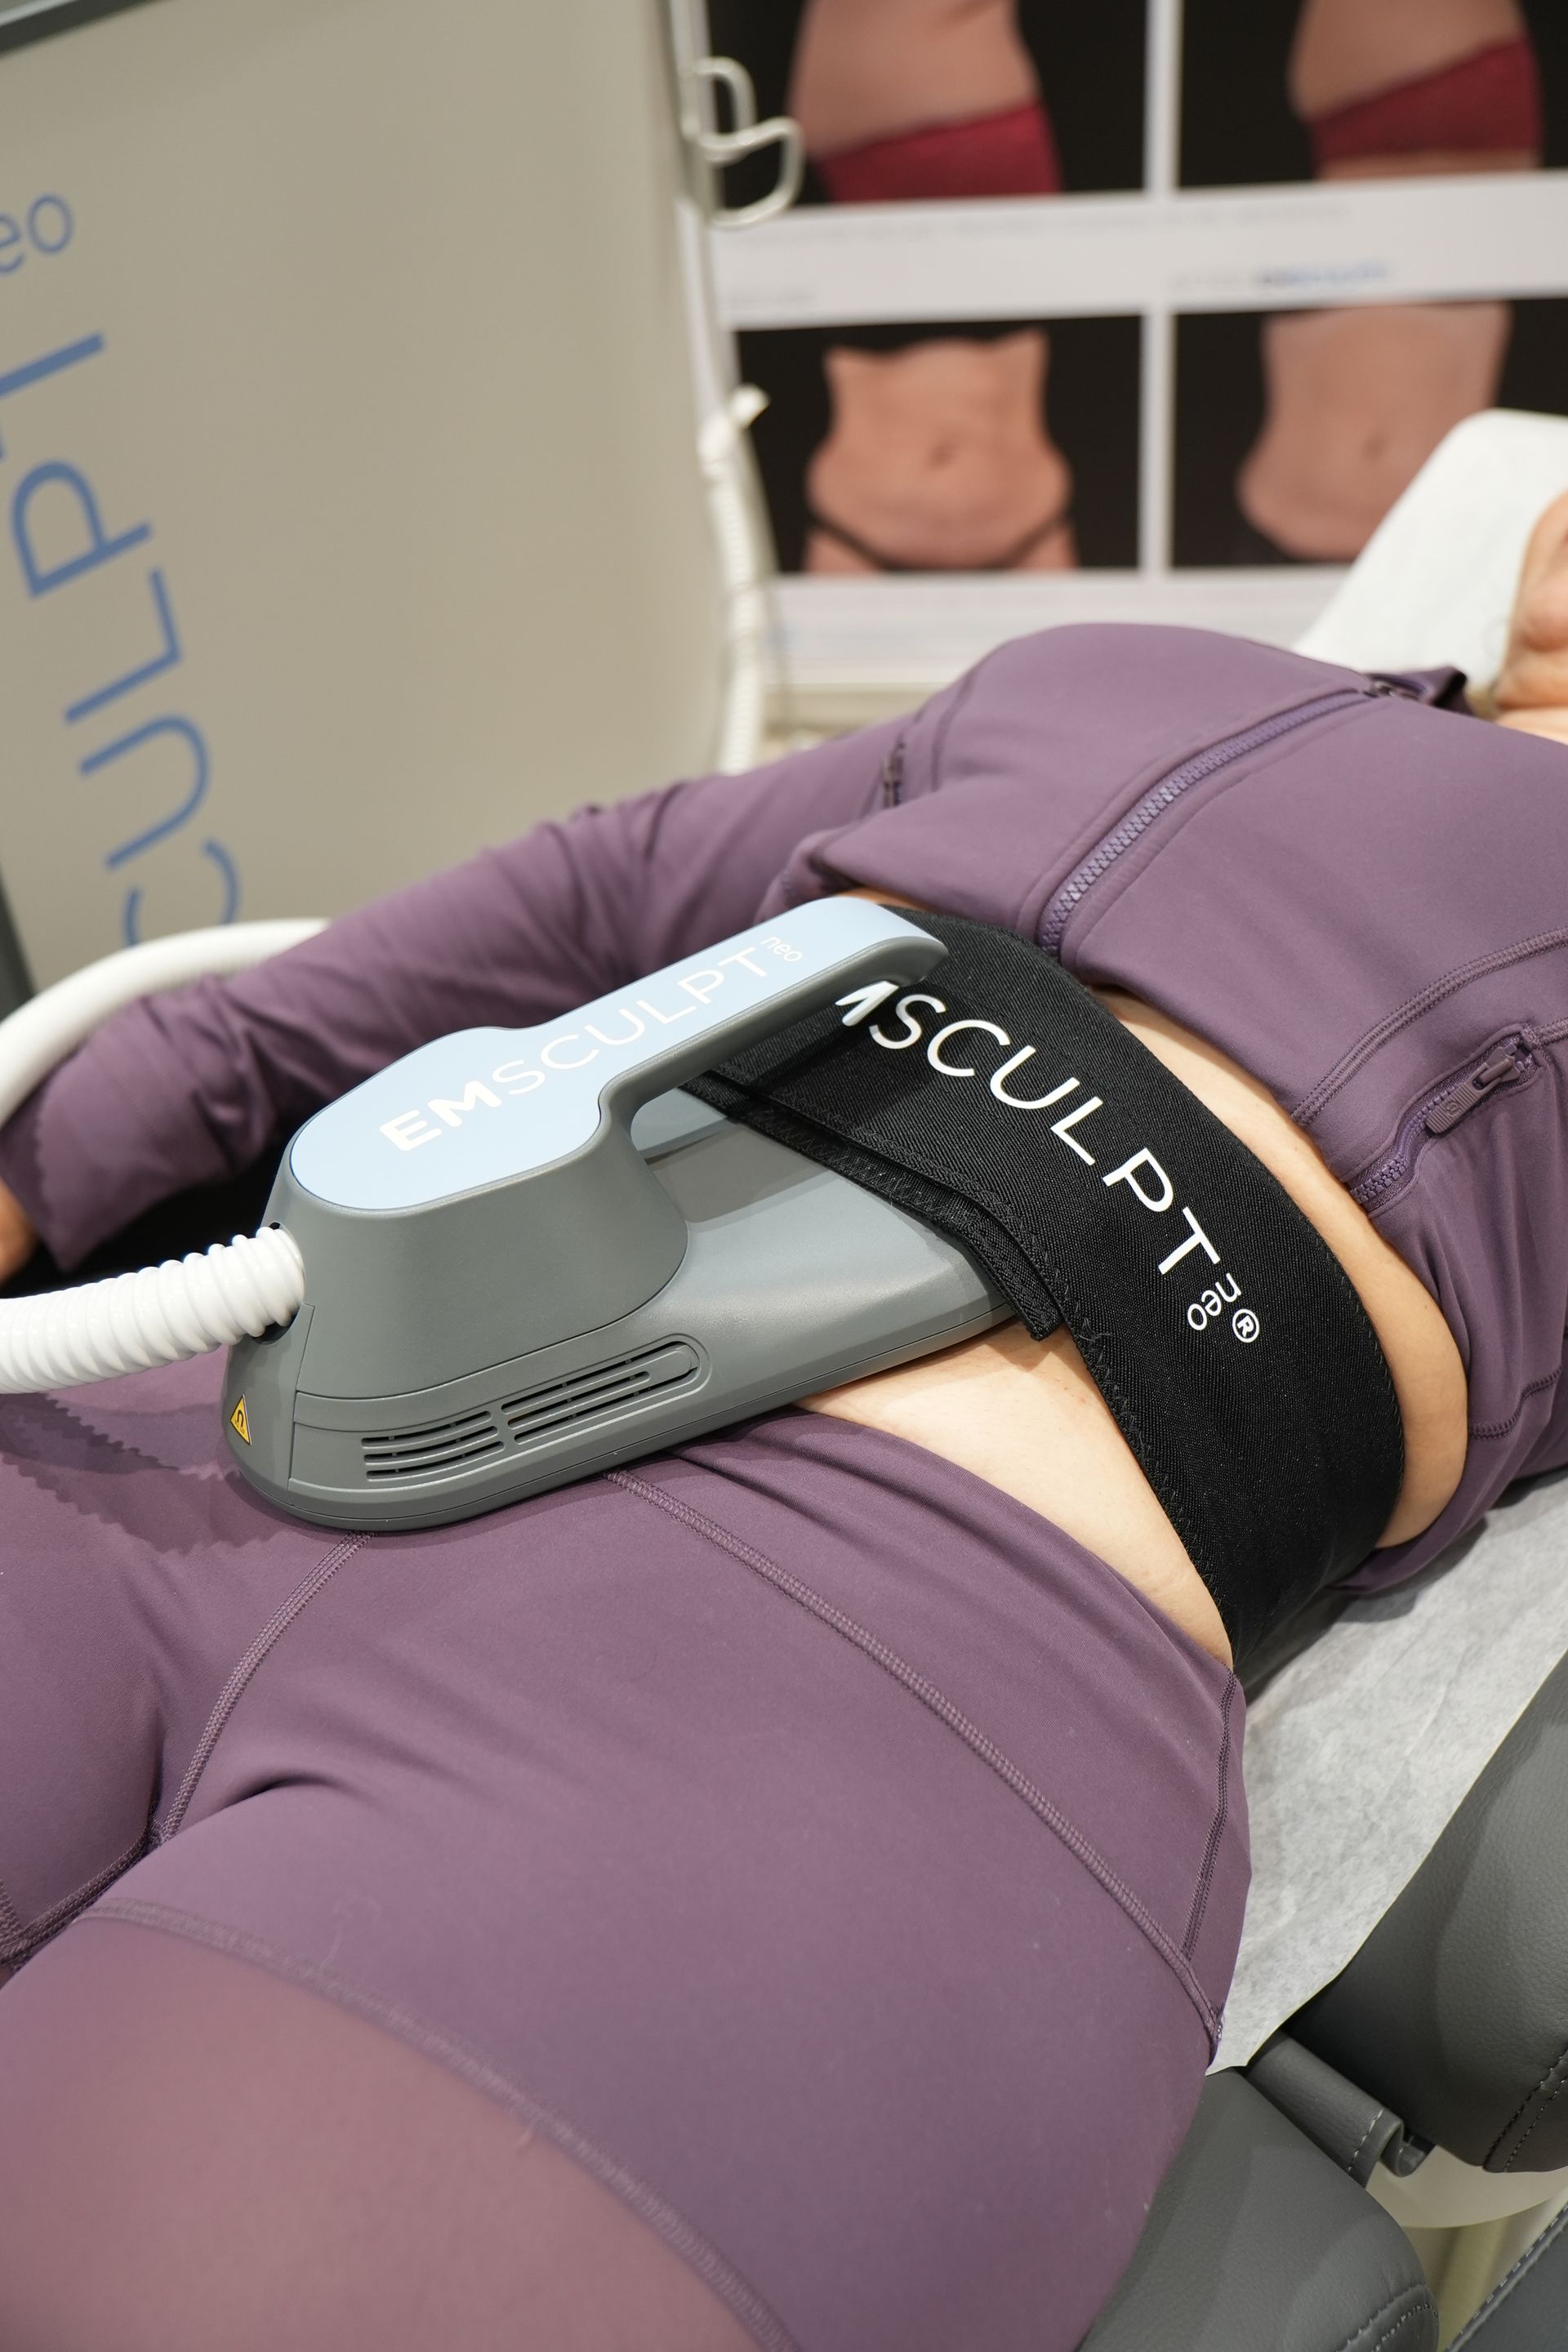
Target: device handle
x=828, y=949
x=493, y=1106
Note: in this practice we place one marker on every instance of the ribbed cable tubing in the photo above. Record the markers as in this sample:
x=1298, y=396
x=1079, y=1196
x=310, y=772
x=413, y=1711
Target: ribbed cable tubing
x=184, y=1307
x=39, y=1036
x=187, y=1306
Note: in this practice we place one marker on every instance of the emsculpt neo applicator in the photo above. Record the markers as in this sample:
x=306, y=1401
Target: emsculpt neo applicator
x=516, y=1257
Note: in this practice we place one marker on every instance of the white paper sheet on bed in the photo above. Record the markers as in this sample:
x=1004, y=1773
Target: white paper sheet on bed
x=1360, y=1750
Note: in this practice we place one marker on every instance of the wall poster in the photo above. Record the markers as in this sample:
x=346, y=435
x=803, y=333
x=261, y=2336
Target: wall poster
x=1151, y=308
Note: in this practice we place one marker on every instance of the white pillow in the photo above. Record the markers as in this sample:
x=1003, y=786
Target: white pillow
x=1435, y=583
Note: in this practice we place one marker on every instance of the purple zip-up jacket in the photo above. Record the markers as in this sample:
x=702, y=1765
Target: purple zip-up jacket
x=1350, y=885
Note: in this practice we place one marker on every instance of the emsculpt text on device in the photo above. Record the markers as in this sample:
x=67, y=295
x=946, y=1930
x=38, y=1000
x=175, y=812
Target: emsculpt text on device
x=483, y=1105
x=508, y=1286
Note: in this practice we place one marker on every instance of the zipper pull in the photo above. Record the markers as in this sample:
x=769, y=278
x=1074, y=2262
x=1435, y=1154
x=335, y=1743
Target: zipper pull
x=893, y=774
x=1511, y=1062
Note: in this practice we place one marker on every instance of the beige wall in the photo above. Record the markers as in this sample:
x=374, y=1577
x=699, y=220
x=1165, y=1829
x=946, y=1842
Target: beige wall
x=382, y=383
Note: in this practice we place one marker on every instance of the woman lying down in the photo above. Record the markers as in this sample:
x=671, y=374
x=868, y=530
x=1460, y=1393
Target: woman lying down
x=782, y=1893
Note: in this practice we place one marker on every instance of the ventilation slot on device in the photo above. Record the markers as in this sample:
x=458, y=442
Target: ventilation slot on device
x=439, y=1445
x=541, y=1414
x=532, y=1419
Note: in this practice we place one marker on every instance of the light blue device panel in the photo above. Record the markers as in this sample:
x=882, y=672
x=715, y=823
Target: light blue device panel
x=484, y=1105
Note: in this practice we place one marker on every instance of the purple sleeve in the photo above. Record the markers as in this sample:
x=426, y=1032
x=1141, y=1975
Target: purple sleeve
x=191, y=1087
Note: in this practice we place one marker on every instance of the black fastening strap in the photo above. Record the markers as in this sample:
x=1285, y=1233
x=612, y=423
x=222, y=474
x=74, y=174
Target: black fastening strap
x=1000, y=1102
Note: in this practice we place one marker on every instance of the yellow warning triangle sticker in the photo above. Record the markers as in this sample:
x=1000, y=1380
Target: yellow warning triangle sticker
x=239, y=1422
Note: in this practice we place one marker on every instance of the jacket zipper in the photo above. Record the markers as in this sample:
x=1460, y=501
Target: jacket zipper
x=1170, y=788
x=1440, y=1114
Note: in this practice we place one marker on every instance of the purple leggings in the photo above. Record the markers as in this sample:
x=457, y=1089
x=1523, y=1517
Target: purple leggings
x=782, y=1894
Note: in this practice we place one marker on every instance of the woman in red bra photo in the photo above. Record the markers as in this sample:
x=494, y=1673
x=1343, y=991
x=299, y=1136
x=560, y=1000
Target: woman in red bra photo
x=1357, y=399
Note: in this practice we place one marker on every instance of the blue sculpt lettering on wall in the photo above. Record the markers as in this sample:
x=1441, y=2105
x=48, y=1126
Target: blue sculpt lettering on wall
x=50, y=228
x=201, y=775
x=53, y=213
x=70, y=355
x=218, y=856
x=100, y=548
x=167, y=658
x=71, y=509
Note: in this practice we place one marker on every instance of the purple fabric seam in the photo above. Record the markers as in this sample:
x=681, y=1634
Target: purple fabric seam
x=1217, y=1828
x=48, y=1923
x=960, y=695
x=1271, y=757
x=11, y=1928
x=1252, y=751
x=1492, y=1430
x=1346, y=1067
x=957, y=1722
x=445, y=2050
x=233, y=1690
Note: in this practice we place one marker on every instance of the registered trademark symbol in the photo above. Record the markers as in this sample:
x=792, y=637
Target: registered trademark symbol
x=1244, y=1323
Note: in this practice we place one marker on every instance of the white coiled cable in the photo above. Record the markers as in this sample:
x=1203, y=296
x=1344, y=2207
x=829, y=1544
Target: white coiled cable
x=188, y=1306
x=182, y=1307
